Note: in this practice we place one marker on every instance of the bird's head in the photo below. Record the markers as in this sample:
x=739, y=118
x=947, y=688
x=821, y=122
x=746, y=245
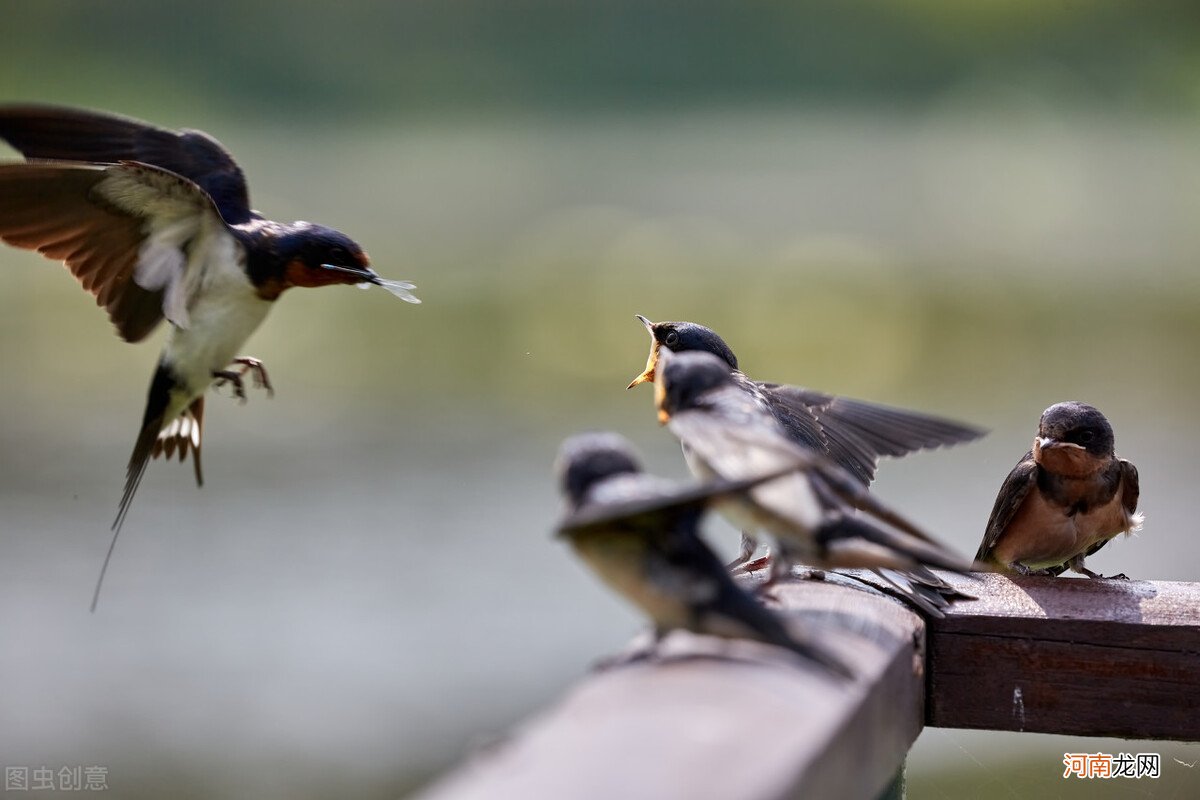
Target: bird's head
x=681, y=337
x=1073, y=439
x=682, y=379
x=586, y=459
x=314, y=255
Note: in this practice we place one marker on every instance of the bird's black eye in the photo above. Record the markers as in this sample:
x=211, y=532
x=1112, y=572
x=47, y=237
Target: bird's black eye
x=671, y=339
x=1086, y=436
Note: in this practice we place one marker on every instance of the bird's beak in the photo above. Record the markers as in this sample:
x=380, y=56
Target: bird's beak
x=364, y=274
x=1048, y=443
x=652, y=361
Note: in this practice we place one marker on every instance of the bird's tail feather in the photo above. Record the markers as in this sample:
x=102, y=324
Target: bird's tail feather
x=158, y=399
x=133, y=478
x=844, y=529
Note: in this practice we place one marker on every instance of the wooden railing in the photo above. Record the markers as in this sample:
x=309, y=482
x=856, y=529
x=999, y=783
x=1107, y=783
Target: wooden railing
x=1061, y=655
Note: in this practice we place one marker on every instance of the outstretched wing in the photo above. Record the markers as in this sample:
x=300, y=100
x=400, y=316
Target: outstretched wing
x=1012, y=494
x=68, y=134
x=654, y=503
x=122, y=230
x=855, y=433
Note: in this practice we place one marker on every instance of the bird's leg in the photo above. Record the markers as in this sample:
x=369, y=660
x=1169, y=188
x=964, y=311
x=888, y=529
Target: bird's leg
x=1076, y=564
x=228, y=375
x=258, y=370
x=235, y=377
x=749, y=545
x=779, y=568
x=643, y=652
x=1021, y=569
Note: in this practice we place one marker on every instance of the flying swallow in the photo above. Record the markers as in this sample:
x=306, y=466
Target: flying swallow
x=812, y=513
x=854, y=433
x=1066, y=498
x=639, y=534
x=157, y=224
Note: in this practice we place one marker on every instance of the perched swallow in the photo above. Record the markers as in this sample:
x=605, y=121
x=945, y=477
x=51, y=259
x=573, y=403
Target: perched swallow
x=157, y=224
x=639, y=533
x=728, y=433
x=1065, y=500
x=854, y=433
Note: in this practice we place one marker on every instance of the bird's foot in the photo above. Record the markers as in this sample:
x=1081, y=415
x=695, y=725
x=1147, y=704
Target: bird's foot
x=1097, y=576
x=751, y=566
x=236, y=377
x=1021, y=569
x=1077, y=565
x=256, y=368
x=644, y=653
x=779, y=569
x=745, y=553
x=224, y=376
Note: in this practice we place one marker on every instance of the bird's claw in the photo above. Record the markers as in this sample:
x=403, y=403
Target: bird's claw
x=235, y=377
x=1021, y=569
x=752, y=566
x=256, y=368
x=224, y=376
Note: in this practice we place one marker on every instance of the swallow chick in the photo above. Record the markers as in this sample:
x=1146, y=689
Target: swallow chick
x=819, y=515
x=1066, y=498
x=855, y=434
x=639, y=534
x=157, y=224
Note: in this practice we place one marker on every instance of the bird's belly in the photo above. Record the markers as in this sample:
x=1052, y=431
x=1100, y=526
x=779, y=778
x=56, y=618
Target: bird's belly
x=1043, y=535
x=623, y=565
x=785, y=507
x=220, y=323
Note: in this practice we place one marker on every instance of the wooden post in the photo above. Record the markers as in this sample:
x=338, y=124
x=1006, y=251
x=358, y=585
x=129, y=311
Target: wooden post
x=757, y=724
x=1069, y=655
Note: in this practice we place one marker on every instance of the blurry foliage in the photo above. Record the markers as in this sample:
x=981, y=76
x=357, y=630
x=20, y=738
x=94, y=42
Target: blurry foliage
x=314, y=59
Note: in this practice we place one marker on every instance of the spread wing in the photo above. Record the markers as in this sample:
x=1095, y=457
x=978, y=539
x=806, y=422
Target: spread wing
x=855, y=433
x=739, y=449
x=1012, y=494
x=655, y=503
x=123, y=230
x=67, y=134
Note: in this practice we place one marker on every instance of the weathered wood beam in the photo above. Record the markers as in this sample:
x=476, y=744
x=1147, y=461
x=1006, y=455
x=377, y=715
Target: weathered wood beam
x=756, y=726
x=1071, y=656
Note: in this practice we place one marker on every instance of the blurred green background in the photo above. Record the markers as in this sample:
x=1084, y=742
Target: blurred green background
x=975, y=209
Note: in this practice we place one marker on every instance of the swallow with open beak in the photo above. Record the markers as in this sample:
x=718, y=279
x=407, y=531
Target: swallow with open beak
x=854, y=433
x=639, y=534
x=819, y=515
x=1066, y=498
x=157, y=224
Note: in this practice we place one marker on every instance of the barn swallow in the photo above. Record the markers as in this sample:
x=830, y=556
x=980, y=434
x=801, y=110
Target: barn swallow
x=728, y=433
x=157, y=224
x=639, y=534
x=1066, y=498
x=854, y=433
